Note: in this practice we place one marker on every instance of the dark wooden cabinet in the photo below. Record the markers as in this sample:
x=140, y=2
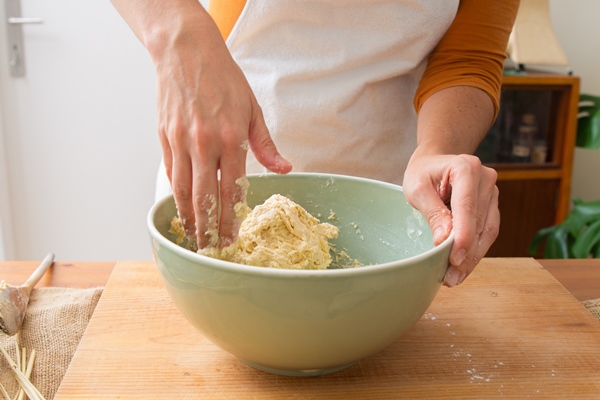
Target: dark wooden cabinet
x=531, y=146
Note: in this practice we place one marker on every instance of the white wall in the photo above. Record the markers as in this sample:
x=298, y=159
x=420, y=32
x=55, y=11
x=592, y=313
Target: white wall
x=577, y=26
x=79, y=148
x=80, y=136
x=6, y=243
x=7, y=249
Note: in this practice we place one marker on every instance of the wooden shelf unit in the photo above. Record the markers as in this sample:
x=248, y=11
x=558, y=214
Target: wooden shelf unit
x=534, y=196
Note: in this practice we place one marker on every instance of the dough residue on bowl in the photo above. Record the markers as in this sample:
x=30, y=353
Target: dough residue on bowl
x=276, y=234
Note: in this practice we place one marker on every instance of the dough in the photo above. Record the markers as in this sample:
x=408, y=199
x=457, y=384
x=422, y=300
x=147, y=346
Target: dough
x=279, y=234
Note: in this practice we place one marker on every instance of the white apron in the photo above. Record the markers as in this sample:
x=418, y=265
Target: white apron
x=336, y=79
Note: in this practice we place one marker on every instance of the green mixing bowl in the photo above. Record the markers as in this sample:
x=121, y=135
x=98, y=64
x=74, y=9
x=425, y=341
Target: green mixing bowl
x=311, y=322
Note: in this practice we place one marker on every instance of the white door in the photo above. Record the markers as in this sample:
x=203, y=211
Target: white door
x=78, y=145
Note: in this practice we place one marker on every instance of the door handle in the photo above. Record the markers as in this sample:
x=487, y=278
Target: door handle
x=24, y=20
x=16, y=54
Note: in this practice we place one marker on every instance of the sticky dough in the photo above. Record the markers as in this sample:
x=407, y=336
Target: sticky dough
x=279, y=234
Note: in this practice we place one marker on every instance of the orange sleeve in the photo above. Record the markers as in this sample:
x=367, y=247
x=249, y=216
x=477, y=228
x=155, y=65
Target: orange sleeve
x=473, y=50
x=225, y=13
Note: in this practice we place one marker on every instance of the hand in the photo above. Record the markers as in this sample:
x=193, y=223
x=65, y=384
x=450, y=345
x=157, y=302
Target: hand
x=208, y=118
x=456, y=192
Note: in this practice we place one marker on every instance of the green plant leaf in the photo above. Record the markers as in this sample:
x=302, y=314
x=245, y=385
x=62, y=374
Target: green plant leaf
x=539, y=237
x=578, y=236
x=558, y=243
x=588, y=127
x=596, y=251
x=590, y=237
x=581, y=215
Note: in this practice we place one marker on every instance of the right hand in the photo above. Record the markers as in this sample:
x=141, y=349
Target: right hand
x=208, y=118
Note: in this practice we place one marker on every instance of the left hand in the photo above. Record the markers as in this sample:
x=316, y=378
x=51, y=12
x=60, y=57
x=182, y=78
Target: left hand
x=456, y=192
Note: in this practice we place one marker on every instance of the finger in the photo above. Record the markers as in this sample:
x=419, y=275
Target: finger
x=232, y=191
x=205, y=202
x=488, y=223
x=438, y=217
x=181, y=183
x=263, y=147
x=490, y=230
x=487, y=191
x=465, y=181
x=429, y=200
x=167, y=156
x=456, y=274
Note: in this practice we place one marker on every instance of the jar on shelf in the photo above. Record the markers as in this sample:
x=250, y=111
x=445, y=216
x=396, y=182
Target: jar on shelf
x=523, y=144
x=539, y=152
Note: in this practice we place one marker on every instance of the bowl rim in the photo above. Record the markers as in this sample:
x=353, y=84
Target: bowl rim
x=280, y=272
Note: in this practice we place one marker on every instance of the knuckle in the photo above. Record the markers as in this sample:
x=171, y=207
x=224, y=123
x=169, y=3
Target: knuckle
x=206, y=203
x=416, y=186
x=494, y=231
x=467, y=164
x=496, y=191
x=472, y=160
x=491, y=230
x=436, y=215
x=231, y=195
x=471, y=262
x=169, y=171
x=227, y=227
x=233, y=140
x=492, y=174
x=469, y=205
x=182, y=192
x=177, y=140
x=414, y=189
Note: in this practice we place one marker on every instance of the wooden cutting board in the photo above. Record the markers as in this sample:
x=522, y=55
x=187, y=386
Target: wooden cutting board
x=511, y=330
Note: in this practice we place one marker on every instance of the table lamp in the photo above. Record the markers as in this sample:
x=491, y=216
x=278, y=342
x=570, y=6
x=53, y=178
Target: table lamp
x=532, y=40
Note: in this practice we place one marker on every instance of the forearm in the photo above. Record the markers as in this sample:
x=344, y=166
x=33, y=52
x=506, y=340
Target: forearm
x=161, y=25
x=450, y=187
x=454, y=121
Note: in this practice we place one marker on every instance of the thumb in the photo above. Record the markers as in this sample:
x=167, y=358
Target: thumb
x=263, y=147
x=438, y=215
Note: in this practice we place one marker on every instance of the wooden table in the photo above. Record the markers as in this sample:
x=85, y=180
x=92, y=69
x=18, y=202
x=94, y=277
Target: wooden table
x=60, y=274
x=511, y=330
x=581, y=277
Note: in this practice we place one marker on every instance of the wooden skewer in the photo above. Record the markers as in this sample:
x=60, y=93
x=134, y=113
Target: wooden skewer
x=14, y=299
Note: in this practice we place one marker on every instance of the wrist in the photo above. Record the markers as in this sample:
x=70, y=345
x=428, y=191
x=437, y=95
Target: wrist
x=432, y=148
x=187, y=25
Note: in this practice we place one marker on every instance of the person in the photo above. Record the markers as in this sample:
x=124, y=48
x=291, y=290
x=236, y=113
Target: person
x=400, y=91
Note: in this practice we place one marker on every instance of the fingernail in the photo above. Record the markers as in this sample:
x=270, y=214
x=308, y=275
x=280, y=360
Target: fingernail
x=460, y=257
x=439, y=235
x=281, y=164
x=454, y=277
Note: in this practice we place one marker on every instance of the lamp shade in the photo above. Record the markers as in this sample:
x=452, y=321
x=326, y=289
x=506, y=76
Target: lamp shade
x=532, y=40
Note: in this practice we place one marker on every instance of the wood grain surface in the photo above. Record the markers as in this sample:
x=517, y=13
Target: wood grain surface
x=61, y=274
x=581, y=276
x=511, y=330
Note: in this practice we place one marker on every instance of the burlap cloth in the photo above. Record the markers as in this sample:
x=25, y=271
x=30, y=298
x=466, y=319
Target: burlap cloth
x=54, y=324
x=593, y=306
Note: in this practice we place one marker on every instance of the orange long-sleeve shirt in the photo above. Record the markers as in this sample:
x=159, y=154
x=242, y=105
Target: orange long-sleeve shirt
x=471, y=53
